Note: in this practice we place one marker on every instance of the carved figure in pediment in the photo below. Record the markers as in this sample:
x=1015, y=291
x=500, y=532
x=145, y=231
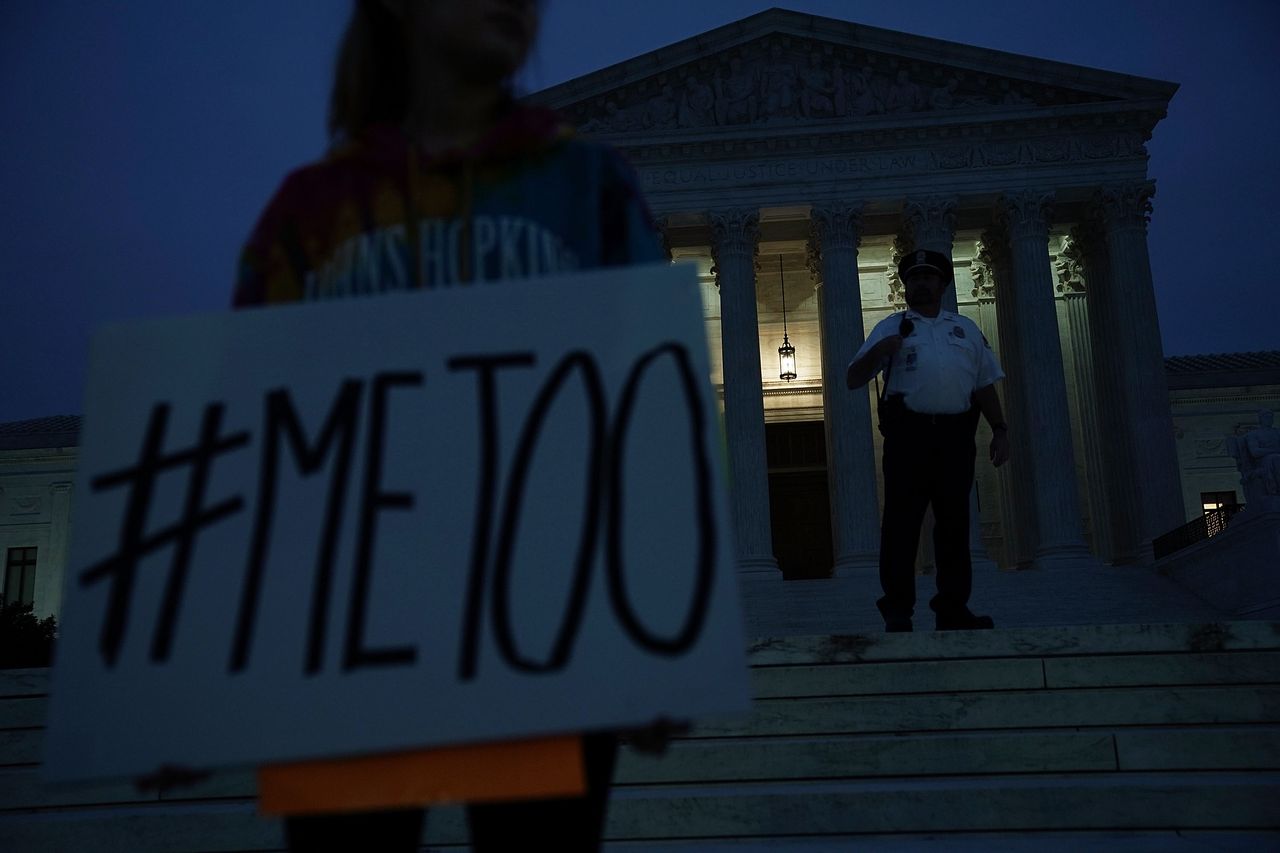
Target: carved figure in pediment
x=1051, y=150
x=944, y=97
x=697, y=104
x=661, y=109
x=615, y=119
x=817, y=97
x=1011, y=96
x=904, y=96
x=778, y=85
x=736, y=93
x=865, y=93
x=1257, y=455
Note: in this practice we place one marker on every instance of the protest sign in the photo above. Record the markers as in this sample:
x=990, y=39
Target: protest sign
x=416, y=520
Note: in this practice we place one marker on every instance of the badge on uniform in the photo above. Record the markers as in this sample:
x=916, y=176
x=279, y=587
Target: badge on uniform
x=958, y=331
x=909, y=363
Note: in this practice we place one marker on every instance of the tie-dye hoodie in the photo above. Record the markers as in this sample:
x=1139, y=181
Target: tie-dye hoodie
x=528, y=199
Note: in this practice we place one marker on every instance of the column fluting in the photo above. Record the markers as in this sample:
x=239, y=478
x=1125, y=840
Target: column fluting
x=735, y=236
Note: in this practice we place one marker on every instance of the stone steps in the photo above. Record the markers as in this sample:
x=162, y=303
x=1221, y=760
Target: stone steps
x=1094, y=737
x=1210, y=800
x=746, y=812
x=1210, y=841
x=974, y=753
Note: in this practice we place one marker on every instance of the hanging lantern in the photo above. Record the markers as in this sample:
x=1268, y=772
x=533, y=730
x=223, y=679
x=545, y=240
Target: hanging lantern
x=786, y=359
x=786, y=352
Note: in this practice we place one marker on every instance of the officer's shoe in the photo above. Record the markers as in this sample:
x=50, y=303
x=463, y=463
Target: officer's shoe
x=963, y=620
x=897, y=619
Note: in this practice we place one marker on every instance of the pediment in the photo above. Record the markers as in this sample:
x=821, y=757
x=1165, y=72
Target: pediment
x=780, y=67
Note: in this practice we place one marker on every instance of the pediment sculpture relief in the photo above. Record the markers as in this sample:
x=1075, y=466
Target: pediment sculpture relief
x=781, y=79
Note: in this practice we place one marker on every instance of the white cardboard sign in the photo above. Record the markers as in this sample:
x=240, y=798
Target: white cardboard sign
x=396, y=522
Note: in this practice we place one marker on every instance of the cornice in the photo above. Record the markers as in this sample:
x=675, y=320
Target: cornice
x=893, y=46
x=1137, y=115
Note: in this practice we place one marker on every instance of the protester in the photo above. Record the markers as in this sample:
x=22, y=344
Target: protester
x=437, y=177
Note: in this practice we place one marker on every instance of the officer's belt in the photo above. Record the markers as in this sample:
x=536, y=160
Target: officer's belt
x=897, y=405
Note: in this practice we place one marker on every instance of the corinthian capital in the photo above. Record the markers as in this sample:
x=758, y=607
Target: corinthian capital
x=1026, y=213
x=1091, y=240
x=990, y=262
x=982, y=273
x=836, y=226
x=1070, y=267
x=735, y=234
x=832, y=227
x=902, y=244
x=932, y=221
x=813, y=257
x=1125, y=205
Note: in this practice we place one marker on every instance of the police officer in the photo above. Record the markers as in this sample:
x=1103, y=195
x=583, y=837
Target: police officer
x=940, y=375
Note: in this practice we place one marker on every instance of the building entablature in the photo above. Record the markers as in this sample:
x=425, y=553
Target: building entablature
x=887, y=132
x=785, y=110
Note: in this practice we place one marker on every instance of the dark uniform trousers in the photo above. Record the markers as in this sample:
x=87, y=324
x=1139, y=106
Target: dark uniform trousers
x=928, y=459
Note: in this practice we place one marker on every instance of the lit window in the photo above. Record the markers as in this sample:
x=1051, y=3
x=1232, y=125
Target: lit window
x=1217, y=500
x=1218, y=508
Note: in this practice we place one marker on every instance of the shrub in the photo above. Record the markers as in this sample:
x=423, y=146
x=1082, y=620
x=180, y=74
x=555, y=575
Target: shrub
x=25, y=641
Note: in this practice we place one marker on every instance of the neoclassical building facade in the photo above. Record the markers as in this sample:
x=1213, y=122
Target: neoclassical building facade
x=797, y=155
x=794, y=159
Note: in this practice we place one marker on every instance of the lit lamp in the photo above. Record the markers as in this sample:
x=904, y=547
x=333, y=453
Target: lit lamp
x=786, y=352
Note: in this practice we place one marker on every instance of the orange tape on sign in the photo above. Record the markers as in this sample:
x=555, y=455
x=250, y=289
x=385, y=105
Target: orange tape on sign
x=513, y=770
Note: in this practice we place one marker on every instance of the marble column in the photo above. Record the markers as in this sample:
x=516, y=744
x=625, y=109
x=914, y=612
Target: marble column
x=1053, y=477
x=53, y=564
x=660, y=228
x=1079, y=326
x=1119, y=472
x=1017, y=518
x=1140, y=359
x=851, y=466
x=993, y=508
x=1086, y=403
x=735, y=234
x=931, y=222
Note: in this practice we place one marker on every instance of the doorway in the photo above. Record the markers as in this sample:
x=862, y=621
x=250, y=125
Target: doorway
x=799, y=501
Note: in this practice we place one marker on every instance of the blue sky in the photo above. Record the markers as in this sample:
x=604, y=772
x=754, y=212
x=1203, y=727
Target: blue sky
x=141, y=139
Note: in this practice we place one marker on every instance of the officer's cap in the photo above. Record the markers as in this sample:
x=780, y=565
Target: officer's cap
x=923, y=259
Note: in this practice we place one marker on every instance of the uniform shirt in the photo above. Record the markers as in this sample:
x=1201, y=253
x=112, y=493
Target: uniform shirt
x=941, y=363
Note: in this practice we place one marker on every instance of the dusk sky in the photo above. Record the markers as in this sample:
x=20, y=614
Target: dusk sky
x=141, y=139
